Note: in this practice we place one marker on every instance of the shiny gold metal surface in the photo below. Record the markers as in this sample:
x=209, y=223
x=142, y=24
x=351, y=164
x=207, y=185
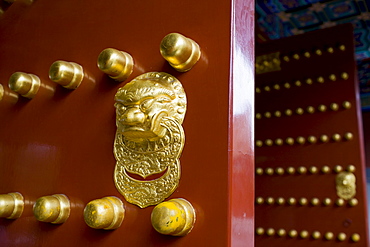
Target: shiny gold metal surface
x=346, y=185
x=1, y=92
x=329, y=235
x=309, y=81
x=301, y=140
x=277, y=87
x=270, y=232
x=316, y=235
x=346, y=104
x=315, y=201
x=340, y=202
x=324, y=138
x=293, y=233
x=258, y=90
x=286, y=59
x=175, y=217
x=181, y=52
x=106, y=213
x=288, y=112
x=281, y=232
x=287, y=85
x=267, y=88
x=290, y=170
x=327, y=201
x=259, y=171
x=355, y=237
x=322, y=108
x=302, y=170
x=318, y=52
x=338, y=168
x=330, y=50
x=267, y=114
x=260, y=200
x=118, y=65
x=279, y=141
x=304, y=234
x=296, y=56
x=11, y=205
x=280, y=201
x=307, y=54
x=310, y=109
x=259, y=143
x=298, y=83
x=149, y=138
x=313, y=169
x=320, y=79
x=289, y=141
x=303, y=201
x=332, y=77
x=348, y=136
x=260, y=231
x=258, y=115
x=344, y=76
x=342, y=236
x=54, y=209
x=291, y=201
x=66, y=74
x=334, y=106
x=312, y=139
x=279, y=171
x=325, y=169
x=336, y=137
x=351, y=168
x=342, y=47
x=269, y=142
x=270, y=200
x=353, y=202
x=25, y=84
x=269, y=171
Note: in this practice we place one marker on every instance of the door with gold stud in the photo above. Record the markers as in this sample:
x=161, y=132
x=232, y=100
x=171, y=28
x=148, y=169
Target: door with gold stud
x=126, y=123
x=310, y=180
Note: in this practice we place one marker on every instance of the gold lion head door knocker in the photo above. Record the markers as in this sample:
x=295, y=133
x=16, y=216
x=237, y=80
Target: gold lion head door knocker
x=149, y=139
x=346, y=185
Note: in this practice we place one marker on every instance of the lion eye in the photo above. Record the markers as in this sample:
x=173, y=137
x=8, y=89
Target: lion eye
x=146, y=104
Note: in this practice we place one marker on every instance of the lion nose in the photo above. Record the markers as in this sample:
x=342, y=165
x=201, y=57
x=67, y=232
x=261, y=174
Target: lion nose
x=133, y=116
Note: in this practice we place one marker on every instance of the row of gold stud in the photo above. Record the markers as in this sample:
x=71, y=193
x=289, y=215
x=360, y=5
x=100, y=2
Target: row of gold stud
x=303, y=201
x=318, y=52
x=298, y=83
x=303, y=170
x=302, y=140
x=301, y=111
x=304, y=234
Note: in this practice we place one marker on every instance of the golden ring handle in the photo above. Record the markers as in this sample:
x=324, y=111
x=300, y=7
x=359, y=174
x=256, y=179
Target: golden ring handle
x=117, y=64
x=66, y=74
x=106, y=213
x=175, y=217
x=181, y=52
x=54, y=209
x=11, y=205
x=25, y=84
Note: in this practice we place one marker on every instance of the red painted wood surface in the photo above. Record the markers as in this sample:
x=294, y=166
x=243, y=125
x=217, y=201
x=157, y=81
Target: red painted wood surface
x=320, y=218
x=62, y=141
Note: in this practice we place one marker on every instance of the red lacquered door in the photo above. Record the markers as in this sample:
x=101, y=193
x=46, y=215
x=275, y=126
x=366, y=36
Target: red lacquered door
x=310, y=182
x=61, y=141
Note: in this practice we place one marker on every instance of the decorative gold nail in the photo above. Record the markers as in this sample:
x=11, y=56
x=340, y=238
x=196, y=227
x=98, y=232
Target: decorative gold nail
x=290, y=170
x=298, y=83
x=312, y=139
x=342, y=236
x=307, y=54
x=258, y=115
x=329, y=236
x=302, y=170
x=66, y=74
x=304, y=234
x=279, y=141
x=277, y=114
x=353, y=202
x=299, y=111
x=334, y=106
x=117, y=64
x=330, y=50
x=344, y=76
x=27, y=85
x=309, y=81
x=289, y=141
x=340, y=202
x=270, y=232
x=270, y=200
x=288, y=112
x=325, y=169
x=267, y=114
x=346, y=105
x=342, y=47
x=259, y=143
x=313, y=169
x=332, y=77
x=320, y=79
x=280, y=201
x=260, y=200
x=296, y=56
x=318, y=52
x=310, y=109
x=355, y=237
x=351, y=168
x=279, y=171
x=292, y=201
x=348, y=136
x=281, y=232
x=286, y=58
x=336, y=137
x=259, y=171
x=338, y=168
x=316, y=235
x=277, y=87
x=267, y=88
x=315, y=201
x=327, y=201
x=303, y=201
x=293, y=233
x=258, y=90
x=324, y=138
x=322, y=108
x=260, y=231
x=301, y=140
x=11, y=205
x=287, y=85
x=54, y=209
x=269, y=171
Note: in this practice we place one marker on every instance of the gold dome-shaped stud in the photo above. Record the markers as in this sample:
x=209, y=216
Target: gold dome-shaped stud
x=260, y=231
x=348, y=136
x=342, y=236
x=309, y=81
x=353, y=202
x=11, y=205
x=310, y=109
x=270, y=232
x=277, y=113
x=287, y=85
x=318, y=52
x=118, y=65
x=279, y=171
x=175, y=217
x=259, y=171
x=281, y=232
x=342, y=47
x=351, y=168
x=290, y=170
x=330, y=49
x=270, y=200
x=301, y=140
x=304, y=234
x=315, y=201
x=258, y=90
x=334, y=106
x=320, y=79
x=316, y=235
x=267, y=88
x=302, y=170
x=269, y=171
x=66, y=74
x=291, y=201
x=277, y=87
x=329, y=235
x=324, y=138
x=289, y=141
x=327, y=201
x=269, y=142
x=322, y=108
x=313, y=169
x=303, y=201
x=355, y=237
x=279, y=141
x=298, y=83
x=106, y=213
x=267, y=114
x=27, y=85
x=336, y=137
x=286, y=59
x=181, y=52
x=339, y=202
x=346, y=104
x=338, y=168
x=288, y=112
x=344, y=76
x=280, y=201
x=296, y=56
x=258, y=115
x=293, y=233
x=259, y=143
x=307, y=54
x=299, y=111
x=312, y=139
x=332, y=77
x=260, y=200
x=54, y=209
x=325, y=169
